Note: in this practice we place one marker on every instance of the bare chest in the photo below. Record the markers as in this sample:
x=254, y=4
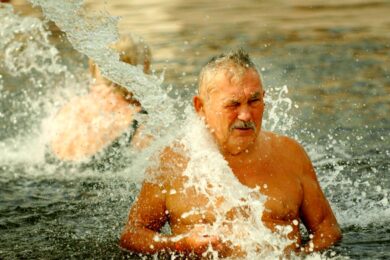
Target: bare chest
x=187, y=207
x=284, y=195
x=281, y=186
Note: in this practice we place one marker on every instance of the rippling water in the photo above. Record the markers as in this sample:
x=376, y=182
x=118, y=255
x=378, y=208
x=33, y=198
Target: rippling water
x=334, y=58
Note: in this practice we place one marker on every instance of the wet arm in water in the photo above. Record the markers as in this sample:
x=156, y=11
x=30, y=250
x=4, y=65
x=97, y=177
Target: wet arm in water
x=316, y=213
x=149, y=213
x=147, y=216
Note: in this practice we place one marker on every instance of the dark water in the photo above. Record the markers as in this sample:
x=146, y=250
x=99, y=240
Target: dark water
x=334, y=58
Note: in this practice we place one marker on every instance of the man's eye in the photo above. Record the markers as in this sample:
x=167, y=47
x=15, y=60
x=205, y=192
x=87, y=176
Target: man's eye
x=232, y=105
x=254, y=101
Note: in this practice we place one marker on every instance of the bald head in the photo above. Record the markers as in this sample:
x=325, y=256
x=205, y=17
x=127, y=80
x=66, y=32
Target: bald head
x=233, y=65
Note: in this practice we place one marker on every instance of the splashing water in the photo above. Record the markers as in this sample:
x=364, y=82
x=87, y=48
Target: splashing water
x=92, y=36
x=278, y=117
x=29, y=64
x=26, y=46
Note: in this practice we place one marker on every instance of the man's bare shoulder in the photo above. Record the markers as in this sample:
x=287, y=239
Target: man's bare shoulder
x=283, y=142
x=174, y=156
x=170, y=163
x=286, y=148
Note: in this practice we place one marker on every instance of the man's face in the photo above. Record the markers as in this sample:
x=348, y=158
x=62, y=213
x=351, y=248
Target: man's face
x=234, y=109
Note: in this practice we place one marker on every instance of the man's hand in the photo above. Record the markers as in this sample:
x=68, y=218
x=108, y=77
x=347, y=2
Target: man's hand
x=198, y=241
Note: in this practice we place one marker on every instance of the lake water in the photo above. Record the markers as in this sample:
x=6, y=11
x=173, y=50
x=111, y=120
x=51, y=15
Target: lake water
x=332, y=56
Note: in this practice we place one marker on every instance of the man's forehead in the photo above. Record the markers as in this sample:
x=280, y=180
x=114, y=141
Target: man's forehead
x=237, y=96
x=232, y=82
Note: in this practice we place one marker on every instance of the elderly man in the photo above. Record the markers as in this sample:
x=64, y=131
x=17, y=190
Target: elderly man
x=231, y=103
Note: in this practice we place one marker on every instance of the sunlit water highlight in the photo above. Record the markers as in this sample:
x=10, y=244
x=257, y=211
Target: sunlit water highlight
x=46, y=208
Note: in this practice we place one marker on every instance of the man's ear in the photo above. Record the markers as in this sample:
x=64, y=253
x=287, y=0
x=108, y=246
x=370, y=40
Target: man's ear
x=198, y=105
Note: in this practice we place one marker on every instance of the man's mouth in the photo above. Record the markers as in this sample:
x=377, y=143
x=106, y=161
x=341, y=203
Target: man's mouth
x=243, y=126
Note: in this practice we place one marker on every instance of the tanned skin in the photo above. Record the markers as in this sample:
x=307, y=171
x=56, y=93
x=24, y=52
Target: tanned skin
x=89, y=123
x=277, y=164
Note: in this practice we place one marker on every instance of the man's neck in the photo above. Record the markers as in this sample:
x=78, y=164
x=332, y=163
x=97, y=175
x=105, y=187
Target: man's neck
x=257, y=150
x=241, y=154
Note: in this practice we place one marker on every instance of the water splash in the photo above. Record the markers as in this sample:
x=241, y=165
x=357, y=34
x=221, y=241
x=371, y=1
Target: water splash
x=30, y=71
x=27, y=47
x=278, y=118
x=92, y=37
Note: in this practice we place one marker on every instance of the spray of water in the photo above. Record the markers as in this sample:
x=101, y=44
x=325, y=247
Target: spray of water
x=92, y=35
x=29, y=63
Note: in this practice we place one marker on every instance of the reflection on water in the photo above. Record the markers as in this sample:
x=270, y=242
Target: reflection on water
x=333, y=56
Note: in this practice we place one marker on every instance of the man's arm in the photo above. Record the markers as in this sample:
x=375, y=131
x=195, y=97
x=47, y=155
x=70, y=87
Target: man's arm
x=316, y=212
x=149, y=213
x=147, y=216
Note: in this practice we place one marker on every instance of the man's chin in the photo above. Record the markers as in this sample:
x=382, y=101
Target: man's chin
x=240, y=146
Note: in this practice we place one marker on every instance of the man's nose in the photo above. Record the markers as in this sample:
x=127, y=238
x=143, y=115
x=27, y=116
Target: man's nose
x=244, y=114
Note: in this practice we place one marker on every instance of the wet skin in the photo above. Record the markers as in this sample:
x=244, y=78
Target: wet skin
x=277, y=165
x=87, y=124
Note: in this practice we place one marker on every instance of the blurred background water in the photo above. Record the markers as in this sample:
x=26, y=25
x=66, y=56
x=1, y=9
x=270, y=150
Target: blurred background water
x=332, y=56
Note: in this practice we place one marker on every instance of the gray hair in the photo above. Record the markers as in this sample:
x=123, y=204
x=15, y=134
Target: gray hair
x=238, y=59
